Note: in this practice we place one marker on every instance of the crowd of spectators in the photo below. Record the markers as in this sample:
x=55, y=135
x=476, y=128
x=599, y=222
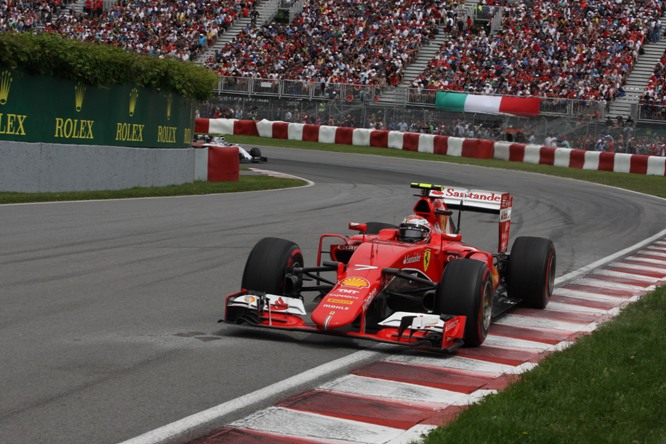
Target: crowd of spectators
x=628, y=143
x=163, y=28
x=554, y=48
x=26, y=15
x=336, y=41
x=581, y=49
x=653, y=99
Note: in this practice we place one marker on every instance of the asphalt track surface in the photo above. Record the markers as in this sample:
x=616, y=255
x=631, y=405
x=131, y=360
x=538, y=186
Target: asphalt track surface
x=109, y=309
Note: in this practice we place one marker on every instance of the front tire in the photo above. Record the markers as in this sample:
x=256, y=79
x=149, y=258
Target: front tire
x=531, y=271
x=466, y=289
x=270, y=262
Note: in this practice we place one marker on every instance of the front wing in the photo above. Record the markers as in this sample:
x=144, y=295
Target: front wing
x=432, y=331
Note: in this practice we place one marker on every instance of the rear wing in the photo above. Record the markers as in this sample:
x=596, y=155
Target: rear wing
x=480, y=201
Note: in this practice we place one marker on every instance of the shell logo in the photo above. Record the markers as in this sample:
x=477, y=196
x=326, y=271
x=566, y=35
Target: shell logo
x=356, y=282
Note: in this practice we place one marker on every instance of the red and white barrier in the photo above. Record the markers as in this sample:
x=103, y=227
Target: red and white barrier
x=428, y=143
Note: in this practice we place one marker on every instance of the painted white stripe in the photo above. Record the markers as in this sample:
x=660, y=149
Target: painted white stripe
x=265, y=128
x=454, y=146
x=395, y=139
x=657, y=262
x=381, y=388
x=465, y=364
x=622, y=163
x=572, y=308
x=502, y=150
x=327, y=134
x=311, y=425
x=656, y=166
x=361, y=137
x=532, y=154
x=562, y=157
x=591, y=161
x=426, y=143
x=579, y=294
x=638, y=267
x=295, y=131
x=610, y=285
x=655, y=252
x=507, y=342
x=625, y=275
x=537, y=322
x=221, y=126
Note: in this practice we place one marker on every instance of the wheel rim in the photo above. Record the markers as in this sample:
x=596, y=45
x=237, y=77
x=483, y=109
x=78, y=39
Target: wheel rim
x=487, y=305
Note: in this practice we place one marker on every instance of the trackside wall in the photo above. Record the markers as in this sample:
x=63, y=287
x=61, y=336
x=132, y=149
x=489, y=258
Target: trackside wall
x=428, y=143
x=49, y=167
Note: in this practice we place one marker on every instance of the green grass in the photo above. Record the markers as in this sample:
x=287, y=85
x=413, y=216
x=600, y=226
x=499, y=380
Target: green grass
x=610, y=387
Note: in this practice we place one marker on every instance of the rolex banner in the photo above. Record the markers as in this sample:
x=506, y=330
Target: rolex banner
x=54, y=110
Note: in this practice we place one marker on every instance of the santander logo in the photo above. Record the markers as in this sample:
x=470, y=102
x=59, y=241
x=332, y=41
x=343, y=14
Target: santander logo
x=488, y=197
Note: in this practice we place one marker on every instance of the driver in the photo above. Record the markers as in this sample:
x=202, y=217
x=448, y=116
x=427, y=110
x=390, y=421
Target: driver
x=414, y=229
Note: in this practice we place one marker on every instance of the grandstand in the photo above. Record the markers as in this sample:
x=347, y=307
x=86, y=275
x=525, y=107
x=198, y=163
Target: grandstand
x=381, y=63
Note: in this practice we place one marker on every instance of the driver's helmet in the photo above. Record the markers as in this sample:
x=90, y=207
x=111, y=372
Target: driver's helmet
x=414, y=229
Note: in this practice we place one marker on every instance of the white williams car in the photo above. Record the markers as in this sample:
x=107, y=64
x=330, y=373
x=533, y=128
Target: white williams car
x=253, y=155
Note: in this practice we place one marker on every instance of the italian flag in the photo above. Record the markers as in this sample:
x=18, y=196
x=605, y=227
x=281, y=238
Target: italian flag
x=469, y=103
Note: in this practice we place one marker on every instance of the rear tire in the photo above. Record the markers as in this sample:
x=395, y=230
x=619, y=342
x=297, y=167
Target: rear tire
x=269, y=262
x=466, y=289
x=531, y=271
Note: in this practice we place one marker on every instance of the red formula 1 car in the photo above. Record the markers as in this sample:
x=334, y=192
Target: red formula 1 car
x=414, y=284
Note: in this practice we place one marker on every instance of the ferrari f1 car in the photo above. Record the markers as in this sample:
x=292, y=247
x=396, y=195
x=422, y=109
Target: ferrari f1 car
x=414, y=284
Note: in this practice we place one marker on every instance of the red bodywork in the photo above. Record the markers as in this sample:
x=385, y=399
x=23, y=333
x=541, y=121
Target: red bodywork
x=361, y=261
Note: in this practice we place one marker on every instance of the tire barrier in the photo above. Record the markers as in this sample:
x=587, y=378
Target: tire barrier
x=433, y=144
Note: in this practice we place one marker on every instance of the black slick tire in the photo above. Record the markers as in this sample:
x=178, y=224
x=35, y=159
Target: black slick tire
x=269, y=261
x=466, y=289
x=531, y=271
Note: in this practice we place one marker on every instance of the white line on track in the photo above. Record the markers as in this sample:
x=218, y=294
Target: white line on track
x=571, y=308
x=505, y=341
x=182, y=426
x=625, y=275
